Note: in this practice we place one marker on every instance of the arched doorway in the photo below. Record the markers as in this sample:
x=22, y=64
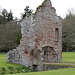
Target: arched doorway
x=49, y=54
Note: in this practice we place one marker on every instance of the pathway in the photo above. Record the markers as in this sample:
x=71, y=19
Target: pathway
x=59, y=63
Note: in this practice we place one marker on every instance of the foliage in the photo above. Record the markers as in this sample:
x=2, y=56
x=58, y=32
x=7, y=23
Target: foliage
x=18, y=37
x=23, y=67
x=8, y=33
x=11, y=68
x=11, y=72
x=18, y=69
x=69, y=71
x=3, y=70
x=5, y=16
x=6, y=68
x=69, y=32
x=27, y=12
x=10, y=16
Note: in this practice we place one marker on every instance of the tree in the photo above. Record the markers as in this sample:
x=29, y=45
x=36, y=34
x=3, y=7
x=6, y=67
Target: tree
x=69, y=32
x=4, y=13
x=27, y=11
x=17, y=38
x=0, y=19
x=10, y=16
x=3, y=16
x=9, y=32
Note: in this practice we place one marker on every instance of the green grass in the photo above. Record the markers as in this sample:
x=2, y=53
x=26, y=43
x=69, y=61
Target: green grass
x=8, y=68
x=68, y=57
x=69, y=71
x=3, y=62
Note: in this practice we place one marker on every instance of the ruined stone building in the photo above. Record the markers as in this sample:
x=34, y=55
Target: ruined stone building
x=41, y=38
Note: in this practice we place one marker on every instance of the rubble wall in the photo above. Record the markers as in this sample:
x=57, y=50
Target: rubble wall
x=41, y=38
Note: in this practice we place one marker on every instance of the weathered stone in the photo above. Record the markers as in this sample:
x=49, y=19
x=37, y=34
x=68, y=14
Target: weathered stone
x=41, y=39
x=55, y=67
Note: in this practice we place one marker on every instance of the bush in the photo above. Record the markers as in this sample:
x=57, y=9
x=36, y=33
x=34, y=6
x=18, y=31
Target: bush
x=30, y=70
x=18, y=69
x=11, y=72
x=23, y=67
x=3, y=70
x=11, y=68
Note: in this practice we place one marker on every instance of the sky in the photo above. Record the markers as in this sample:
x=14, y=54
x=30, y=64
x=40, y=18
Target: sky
x=17, y=6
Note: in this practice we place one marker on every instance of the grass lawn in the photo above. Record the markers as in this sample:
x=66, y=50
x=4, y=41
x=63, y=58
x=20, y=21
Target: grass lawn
x=3, y=61
x=9, y=68
x=69, y=71
x=68, y=57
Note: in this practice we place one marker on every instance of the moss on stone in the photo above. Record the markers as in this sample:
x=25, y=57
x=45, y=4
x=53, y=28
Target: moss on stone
x=45, y=1
x=53, y=8
x=42, y=5
x=39, y=8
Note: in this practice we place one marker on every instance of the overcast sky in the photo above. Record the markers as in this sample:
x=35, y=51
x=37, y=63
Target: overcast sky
x=17, y=6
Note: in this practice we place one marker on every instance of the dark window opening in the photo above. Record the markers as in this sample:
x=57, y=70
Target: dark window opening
x=27, y=30
x=35, y=67
x=19, y=56
x=56, y=34
x=44, y=52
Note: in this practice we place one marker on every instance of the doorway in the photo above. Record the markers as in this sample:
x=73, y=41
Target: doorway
x=49, y=54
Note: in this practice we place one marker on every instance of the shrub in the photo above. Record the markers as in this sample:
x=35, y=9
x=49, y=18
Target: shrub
x=23, y=67
x=11, y=72
x=3, y=69
x=18, y=69
x=3, y=72
x=30, y=70
x=11, y=68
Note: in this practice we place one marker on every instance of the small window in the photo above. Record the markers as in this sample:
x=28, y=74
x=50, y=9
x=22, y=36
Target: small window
x=45, y=52
x=56, y=34
x=27, y=30
x=19, y=56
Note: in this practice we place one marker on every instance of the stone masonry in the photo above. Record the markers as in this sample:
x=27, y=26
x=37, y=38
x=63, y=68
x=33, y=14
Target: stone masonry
x=41, y=38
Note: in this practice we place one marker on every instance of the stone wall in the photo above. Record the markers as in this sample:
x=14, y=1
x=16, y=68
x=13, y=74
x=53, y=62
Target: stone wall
x=55, y=67
x=41, y=38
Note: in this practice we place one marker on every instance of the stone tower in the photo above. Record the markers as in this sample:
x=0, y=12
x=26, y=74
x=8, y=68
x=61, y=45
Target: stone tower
x=41, y=38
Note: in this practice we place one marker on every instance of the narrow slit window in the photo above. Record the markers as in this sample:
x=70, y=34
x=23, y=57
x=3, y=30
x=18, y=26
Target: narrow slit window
x=56, y=34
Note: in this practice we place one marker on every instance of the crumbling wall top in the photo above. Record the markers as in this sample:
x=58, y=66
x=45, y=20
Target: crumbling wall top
x=43, y=5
